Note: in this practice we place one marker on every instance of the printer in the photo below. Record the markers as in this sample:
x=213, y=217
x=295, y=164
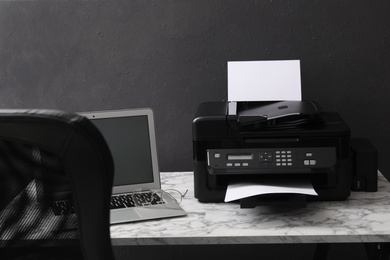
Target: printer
x=255, y=141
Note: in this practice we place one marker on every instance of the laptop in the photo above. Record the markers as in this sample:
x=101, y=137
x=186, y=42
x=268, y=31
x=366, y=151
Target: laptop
x=130, y=135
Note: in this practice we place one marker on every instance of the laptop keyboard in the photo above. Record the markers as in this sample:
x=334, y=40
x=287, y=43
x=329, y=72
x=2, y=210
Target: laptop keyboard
x=135, y=200
x=64, y=207
x=148, y=198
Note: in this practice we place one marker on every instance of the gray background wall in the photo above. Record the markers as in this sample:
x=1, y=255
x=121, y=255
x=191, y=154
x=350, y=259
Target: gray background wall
x=172, y=55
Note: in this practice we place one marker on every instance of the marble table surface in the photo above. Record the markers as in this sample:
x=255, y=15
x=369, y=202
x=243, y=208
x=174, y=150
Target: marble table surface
x=364, y=217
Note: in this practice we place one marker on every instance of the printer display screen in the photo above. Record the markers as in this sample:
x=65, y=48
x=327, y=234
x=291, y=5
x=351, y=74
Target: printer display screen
x=233, y=157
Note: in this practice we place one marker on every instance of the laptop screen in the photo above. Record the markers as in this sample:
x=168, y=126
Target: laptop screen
x=129, y=142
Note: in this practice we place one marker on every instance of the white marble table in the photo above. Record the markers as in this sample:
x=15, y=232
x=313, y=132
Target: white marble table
x=363, y=218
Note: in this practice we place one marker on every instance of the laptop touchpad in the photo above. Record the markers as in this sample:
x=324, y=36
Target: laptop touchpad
x=120, y=216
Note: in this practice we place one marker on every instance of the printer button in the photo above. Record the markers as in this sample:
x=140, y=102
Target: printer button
x=217, y=155
x=229, y=164
x=265, y=157
x=237, y=164
x=306, y=162
x=313, y=162
x=245, y=164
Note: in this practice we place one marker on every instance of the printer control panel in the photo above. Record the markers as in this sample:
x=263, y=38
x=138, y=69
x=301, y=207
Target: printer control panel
x=243, y=160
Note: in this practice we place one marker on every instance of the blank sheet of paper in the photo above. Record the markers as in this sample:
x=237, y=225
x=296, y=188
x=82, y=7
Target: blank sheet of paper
x=240, y=190
x=264, y=80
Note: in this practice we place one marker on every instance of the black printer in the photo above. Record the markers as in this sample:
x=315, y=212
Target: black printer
x=285, y=139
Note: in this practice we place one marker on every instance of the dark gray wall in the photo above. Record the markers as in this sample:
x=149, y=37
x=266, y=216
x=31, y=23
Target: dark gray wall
x=171, y=55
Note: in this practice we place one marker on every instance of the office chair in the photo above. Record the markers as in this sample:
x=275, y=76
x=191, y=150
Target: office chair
x=56, y=174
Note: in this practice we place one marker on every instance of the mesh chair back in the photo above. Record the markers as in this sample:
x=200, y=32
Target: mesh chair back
x=56, y=176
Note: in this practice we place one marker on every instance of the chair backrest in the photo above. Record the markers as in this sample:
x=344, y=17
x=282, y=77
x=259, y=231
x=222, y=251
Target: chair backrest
x=48, y=156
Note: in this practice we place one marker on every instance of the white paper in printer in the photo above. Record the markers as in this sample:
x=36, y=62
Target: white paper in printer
x=273, y=80
x=265, y=81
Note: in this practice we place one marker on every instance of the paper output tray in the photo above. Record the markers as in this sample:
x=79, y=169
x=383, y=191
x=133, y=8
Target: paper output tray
x=275, y=200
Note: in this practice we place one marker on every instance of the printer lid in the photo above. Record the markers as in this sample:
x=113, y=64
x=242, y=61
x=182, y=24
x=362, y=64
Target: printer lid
x=213, y=122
